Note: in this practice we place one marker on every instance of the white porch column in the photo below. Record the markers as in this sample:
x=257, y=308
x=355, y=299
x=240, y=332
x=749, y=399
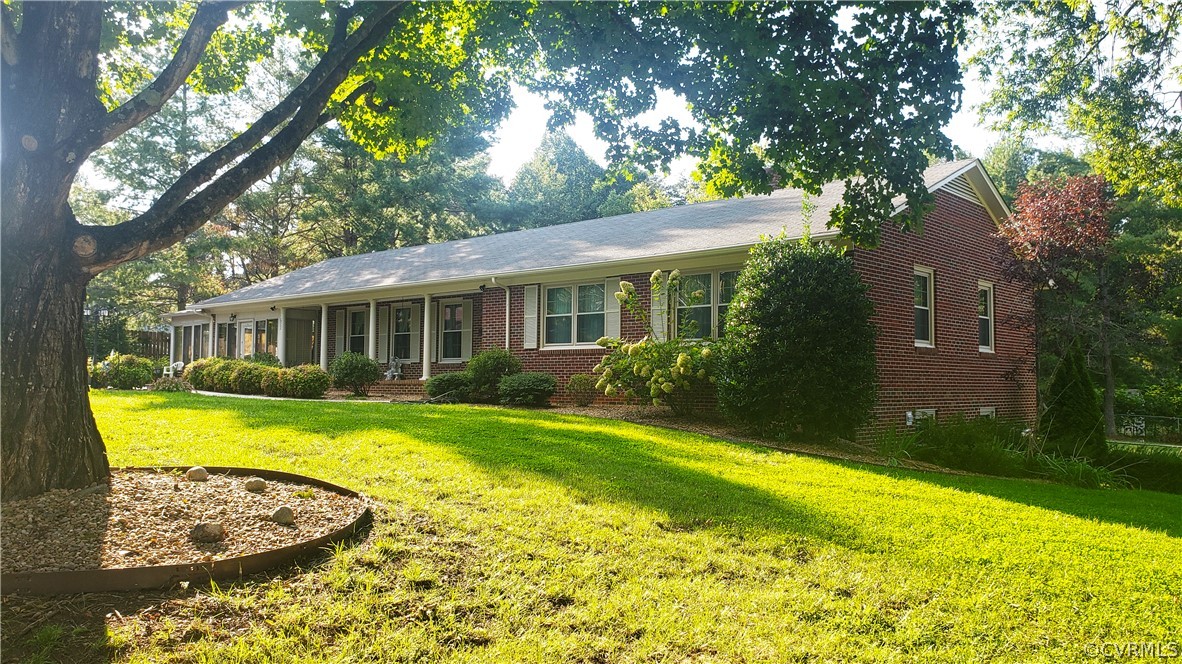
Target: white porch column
x=428, y=347
x=373, y=330
x=171, y=344
x=213, y=336
x=323, y=331
x=281, y=342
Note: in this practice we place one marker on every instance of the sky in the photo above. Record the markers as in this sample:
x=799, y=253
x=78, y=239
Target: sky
x=523, y=131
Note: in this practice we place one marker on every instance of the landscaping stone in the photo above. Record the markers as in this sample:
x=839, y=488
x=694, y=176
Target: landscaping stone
x=255, y=485
x=207, y=532
x=149, y=516
x=284, y=516
x=197, y=474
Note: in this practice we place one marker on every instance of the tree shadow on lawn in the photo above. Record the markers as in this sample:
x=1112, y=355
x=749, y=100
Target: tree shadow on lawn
x=580, y=454
x=584, y=455
x=1152, y=510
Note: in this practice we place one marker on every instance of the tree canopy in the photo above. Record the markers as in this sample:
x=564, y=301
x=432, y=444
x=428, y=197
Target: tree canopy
x=1103, y=70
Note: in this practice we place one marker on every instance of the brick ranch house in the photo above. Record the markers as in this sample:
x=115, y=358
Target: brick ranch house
x=948, y=339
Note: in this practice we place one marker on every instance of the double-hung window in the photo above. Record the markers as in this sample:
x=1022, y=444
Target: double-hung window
x=702, y=303
x=726, y=292
x=401, y=336
x=924, y=307
x=452, y=331
x=575, y=314
x=985, y=317
x=357, y=322
x=695, y=306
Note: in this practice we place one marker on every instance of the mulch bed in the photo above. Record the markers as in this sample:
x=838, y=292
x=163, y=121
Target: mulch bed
x=146, y=517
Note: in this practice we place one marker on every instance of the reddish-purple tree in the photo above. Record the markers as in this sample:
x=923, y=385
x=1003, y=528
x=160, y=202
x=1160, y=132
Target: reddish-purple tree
x=1061, y=235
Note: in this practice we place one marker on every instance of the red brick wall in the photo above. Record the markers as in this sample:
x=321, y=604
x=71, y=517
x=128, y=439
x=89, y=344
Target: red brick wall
x=958, y=243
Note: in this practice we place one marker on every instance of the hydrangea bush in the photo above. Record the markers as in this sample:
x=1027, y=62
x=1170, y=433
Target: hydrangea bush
x=669, y=369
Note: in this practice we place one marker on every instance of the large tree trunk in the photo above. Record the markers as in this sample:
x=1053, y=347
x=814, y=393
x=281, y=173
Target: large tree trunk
x=49, y=436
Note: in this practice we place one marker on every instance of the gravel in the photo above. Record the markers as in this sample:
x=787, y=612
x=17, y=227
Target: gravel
x=146, y=519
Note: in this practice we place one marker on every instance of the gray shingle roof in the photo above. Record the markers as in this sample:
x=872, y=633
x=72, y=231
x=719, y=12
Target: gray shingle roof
x=677, y=230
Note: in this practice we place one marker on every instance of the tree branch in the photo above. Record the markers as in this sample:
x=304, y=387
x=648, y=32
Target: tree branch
x=209, y=17
x=8, y=37
x=205, y=170
x=159, y=227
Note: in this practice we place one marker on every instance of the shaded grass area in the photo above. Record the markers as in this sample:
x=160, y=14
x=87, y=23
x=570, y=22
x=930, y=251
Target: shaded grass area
x=510, y=535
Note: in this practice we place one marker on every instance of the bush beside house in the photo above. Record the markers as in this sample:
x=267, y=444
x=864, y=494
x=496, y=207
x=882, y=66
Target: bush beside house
x=217, y=374
x=799, y=353
x=355, y=371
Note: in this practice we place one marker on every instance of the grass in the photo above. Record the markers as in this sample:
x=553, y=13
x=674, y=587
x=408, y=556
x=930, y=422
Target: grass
x=512, y=535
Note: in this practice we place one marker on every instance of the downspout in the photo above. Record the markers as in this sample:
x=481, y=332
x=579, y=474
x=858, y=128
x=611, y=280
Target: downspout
x=506, y=289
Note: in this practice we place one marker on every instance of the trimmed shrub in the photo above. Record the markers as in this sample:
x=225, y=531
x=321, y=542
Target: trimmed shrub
x=1073, y=423
x=527, y=389
x=122, y=372
x=247, y=377
x=355, y=371
x=307, y=381
x=450, y=386
x=486, y=370
x=265, y=359
x=197, y=372
x=218, y=377
x=581, y=388
x=274, y=383
x=798, y=354
x=170, y=384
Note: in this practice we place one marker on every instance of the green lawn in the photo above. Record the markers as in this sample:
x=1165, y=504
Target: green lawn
x=509, y=535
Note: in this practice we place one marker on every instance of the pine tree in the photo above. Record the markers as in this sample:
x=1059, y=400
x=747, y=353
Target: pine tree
x=1073, y=424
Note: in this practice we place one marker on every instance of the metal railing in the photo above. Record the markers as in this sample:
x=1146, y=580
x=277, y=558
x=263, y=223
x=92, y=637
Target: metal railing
x=1150, y=428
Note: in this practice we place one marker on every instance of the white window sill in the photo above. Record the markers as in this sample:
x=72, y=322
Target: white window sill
x=454, y=360
x=984, y=349
x=924, y=344
x=572, y=347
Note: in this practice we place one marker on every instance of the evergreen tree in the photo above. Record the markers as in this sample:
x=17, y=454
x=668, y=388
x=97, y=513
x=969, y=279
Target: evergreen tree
x=1073, y=424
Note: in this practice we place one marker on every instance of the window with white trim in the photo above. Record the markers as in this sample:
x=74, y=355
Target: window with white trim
x=727, y=283
x=357, y=322
x=401, y=332
x=575, y=314
x=452, y=331
x=924, y=307
x=695, y=306
x=988, y=412
x=702, y=302
x=918, y=415
x=985, y=317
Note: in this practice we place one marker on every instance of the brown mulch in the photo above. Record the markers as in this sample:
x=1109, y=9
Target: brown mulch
x=145, y=519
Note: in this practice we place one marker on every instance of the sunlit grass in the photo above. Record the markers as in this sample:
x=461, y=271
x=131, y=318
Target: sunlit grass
x=507, y=535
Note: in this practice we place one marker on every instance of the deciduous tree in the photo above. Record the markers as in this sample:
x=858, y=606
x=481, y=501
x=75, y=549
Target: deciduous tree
x=829, y=93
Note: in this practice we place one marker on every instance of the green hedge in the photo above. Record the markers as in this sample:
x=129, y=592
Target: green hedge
x=452, y=386
x=216, y=374
x=122, y=372
x=527, y=389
